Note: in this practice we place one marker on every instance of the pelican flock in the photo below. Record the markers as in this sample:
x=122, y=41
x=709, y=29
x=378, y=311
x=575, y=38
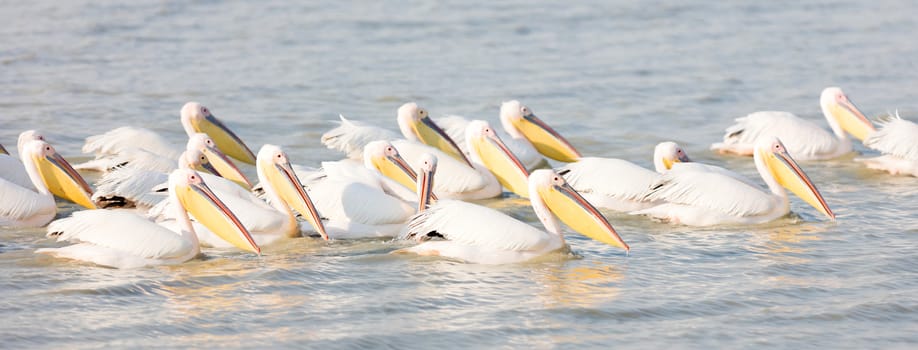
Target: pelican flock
x=419, y=187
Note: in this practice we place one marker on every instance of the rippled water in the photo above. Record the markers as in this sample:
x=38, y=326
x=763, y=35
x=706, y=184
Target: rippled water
x=616, y=77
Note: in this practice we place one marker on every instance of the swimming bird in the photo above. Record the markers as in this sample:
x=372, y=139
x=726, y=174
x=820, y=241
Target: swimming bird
x=50, y=175
x=124, y=239
x=698, y=198
x=271, y=221
x=804, y=139
x=617, y=184
x=897, y=139
x=195, y=119
x=359, y=202
x=478, y=234
x=414, y=123
x=520, y=124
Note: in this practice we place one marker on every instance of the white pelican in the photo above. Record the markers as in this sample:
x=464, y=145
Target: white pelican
x=617, y=184
x=274, y=220
x=50, y=175
x=699, y=198
x=493, y=166
x=483, y=235
x=195, y=119
x=520, y=125
x=897, y=139
x=124, y=239
x=360, y=203
x=804, y=139
x=12, y=169
x=414, y=122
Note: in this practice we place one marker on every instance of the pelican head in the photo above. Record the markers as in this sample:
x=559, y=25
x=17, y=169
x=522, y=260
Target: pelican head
x=771, y=155
x=487, y=148
x=549, y=190
x=196, y=198
x=56, y=173
x=25, y=137
x=415, y=124
x=195, y=159
x=519, y=121
x=197, y=118
x=274, y=168
x=383, y=157
x=220, y=164
x=425, y=181
x=843, y=115
x=667, y=153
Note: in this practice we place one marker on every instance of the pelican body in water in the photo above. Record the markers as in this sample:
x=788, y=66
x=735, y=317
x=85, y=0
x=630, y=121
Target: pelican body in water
x=50, y=175
x=478, y=234
x=804, y=139
x=897, y=139
x=124, y=239
x=699, y=198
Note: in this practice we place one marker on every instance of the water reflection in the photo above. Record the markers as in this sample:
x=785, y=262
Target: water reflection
x=586, y=285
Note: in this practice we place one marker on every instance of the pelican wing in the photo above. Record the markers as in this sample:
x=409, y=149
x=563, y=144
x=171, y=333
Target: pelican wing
x=354, y=201
x=117, y=140
x=895, y=136
x=455, y=126
x=136, y=157
x=18, y=203
x=610, y=177
x=453, y=176
x=12, y=170
x=707, y=168
x=710, y=190
x=131, y=185
x=476, y=225
x=803, y=139
x=120, y=230
x=351, y=136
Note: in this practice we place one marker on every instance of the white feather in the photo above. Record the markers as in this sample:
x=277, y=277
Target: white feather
x=12, y=170
x=455, y=127
x=610, y=183
x=351, y=136
x=895, y=136
x=121, y=139
x=22, y=207
x=709, y=191
x=121, y=231
x=453, y=179
x=804, y=139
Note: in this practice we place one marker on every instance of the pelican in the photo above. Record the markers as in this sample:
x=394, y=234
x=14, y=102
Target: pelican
x=359, y=202
x=897, y=139
x=11, y=169
x=805, y=140
x=271, y=221
x=414, y=122
x=617, y=184
x=521, y=126
x=50, y=175
x=124, y=239
x=483, y=235
x=195, y=119
x=709, y=198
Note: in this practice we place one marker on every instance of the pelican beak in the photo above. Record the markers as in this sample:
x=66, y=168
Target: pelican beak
x=63, y=181
x=431, y=134
x=291, y=191
x=225, y=139
x=3, y=150
x=851, y=119
x=505, y=166
x=546, y=140
x=579, y=215
x=208, y=168
x=425, y=189
x=788, y=174
x=396, y=168
x=224, y=167
x=668, y=162
x=210, y=211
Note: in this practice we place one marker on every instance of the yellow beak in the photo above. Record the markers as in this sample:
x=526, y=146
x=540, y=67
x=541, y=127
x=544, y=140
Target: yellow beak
x=63, y=181
x=210, y=211
x=851, y=119
x=788, y=174
x=505, y=166
x=225, y=167
x=288, y=186
x=397, y=169
x=546, y=140
x=579, y=215
x=226, y=140
x=432, y=135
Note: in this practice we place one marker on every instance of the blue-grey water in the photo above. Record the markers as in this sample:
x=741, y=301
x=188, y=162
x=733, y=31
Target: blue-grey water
x=615, y=77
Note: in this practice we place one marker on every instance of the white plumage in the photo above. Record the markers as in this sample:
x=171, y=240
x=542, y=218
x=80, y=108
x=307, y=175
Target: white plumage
x=897, y=139
x=455, y=126
x=804, y=139
x=610, y=183
x=350, y=136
